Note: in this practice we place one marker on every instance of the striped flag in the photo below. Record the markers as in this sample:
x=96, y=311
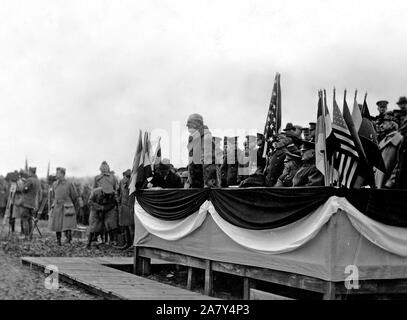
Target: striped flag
x=136, y=163
x=324, y=139
x=347, y=157
x=365, y=170
x=273, y=121
x=157, y=154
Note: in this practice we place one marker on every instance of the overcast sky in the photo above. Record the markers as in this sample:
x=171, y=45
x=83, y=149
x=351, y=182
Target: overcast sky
x=78, y=79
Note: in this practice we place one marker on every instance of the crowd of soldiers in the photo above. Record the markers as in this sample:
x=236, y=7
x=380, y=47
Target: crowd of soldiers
x=290, y=162
x=105, y=207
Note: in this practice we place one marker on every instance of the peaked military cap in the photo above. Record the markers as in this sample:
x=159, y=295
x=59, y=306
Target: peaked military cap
x=307, y=145
x=382, y=103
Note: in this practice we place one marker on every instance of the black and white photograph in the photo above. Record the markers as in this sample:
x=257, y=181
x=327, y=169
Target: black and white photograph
x=181, y=152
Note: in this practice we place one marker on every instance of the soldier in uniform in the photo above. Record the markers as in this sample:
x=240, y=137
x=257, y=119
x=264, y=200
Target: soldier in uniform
x=255, y=163
x=164, y=177
x=3, y=196
x=201, y=165
x=398, y=178
x=98, y=204
x=261, y=161
x=308, y=174
x=402, y=113
x=85, y=209
x=312, y=128
x=29, y=201
x=294, y=132
x=275, y=165
x=377, y=121
x=64, y=207
x=292, y=163
x=126, y=209
x=108, y=182
x=389, y=147
x=232, y=156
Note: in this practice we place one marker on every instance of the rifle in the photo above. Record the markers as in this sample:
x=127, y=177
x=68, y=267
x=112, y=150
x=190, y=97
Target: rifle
x=10, y=202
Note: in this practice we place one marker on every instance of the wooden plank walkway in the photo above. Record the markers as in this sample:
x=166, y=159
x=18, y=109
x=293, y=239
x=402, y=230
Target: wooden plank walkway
x=94, y=275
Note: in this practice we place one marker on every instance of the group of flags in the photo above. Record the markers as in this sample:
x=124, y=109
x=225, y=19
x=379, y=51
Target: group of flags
x=346, y=148
x=143, y=161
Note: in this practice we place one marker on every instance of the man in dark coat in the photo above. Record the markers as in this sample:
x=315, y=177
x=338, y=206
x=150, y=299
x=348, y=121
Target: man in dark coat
x=401, y=115
x=389, y=148
x=29, y=201
x=308, y=174
x=64, y=207
x=275, y=165
x=85, y=194
x=255, y=162
x=292, y=163
x=378, y=120
x=126, y=209
x=108, y=182
x=294, y=132
x=232, y=156
x=201, y=165
x=164, y=177
x=398, y=179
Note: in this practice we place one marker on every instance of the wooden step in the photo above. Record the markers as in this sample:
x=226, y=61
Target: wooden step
x=93, y=275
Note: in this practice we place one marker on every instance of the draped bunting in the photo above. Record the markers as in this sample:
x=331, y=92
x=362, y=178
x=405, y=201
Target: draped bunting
x=267, y=208
x=390, y=238
x=172, y=204
x=382, y=205
x=282, y=239
x=279, y=240
x=171, y=229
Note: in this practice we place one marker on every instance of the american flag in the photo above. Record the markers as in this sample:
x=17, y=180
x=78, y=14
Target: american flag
x=273, y=122
x=347, y=157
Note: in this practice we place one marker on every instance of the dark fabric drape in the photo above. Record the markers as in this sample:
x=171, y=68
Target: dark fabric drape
x=383, y=205
x=267, y=208
x=172, y=204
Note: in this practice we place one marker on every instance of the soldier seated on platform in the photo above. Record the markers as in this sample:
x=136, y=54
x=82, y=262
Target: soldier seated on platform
x=292, y=164
x=164, y=177
x=308, y=174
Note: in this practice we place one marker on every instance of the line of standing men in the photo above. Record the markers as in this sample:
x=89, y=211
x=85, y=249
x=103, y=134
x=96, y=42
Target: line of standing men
x=110, y=205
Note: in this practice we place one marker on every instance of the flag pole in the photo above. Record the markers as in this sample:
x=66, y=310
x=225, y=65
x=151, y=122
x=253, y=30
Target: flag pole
x=339, y=180
x=324, y=137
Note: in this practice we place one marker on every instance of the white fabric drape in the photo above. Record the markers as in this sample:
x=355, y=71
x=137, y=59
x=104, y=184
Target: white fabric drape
x=171, y=230
x=283, y=239
x=389, y=238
